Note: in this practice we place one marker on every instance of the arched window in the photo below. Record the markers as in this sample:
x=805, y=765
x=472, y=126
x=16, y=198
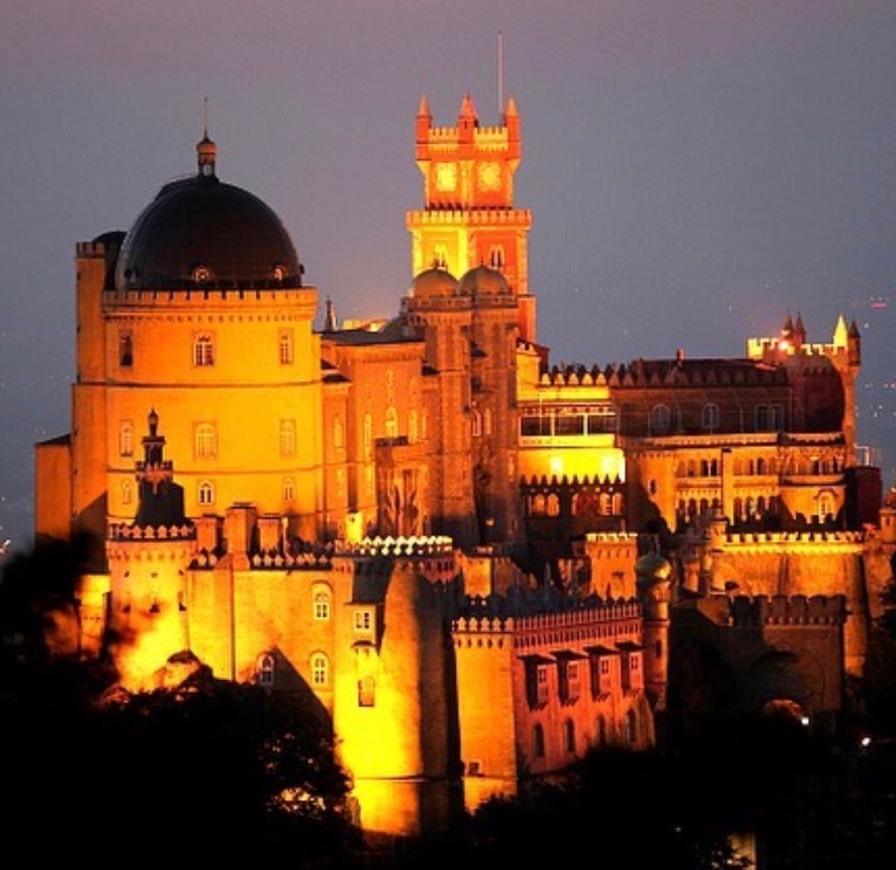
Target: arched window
x=206, y=441
x=476, y=423
x=538, y=741
x=287, y=437
x=322, y=600
x=127, y=492
x=287, y=353
x=617, y=504
x=496, y=256
x=440, y=255
x=553, y=505
x=289, y=489
x=825, y=505
x=203, y=349
x=265, y=670
x=368, y=435
x=126, y=438
x=391, y=422
x=710, y=416
x=320, y=670
x=660, y=418
x=205, y=493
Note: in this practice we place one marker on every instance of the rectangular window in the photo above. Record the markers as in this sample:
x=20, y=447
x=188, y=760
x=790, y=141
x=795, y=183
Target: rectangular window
x=569, y=424
x=203, y=349
x=363, y=621
x=287, y=353
x=570, y=680
x=206, y=441
x=367, y=692
x=125, y=348
x=768, y=418
x=532, y=426
x=543, y=688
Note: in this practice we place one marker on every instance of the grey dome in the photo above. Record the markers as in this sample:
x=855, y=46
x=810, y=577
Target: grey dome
x=483, y=281
x=434, y=283
x=200, y=231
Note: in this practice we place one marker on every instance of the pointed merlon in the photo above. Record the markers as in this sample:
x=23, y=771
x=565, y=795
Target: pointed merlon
x=841, y=332
x=467, y=107
x=512, y=111
x=423, y=109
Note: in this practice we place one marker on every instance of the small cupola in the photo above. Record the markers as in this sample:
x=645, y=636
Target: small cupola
x=206, y=154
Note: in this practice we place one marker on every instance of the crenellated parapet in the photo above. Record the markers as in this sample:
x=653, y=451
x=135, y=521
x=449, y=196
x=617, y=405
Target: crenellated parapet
x=130, y=532
x=664, y=373
x=243, y=298
x=483, y=136
x=423, y=545
x=575, y=481
x=482, y=216
x=829, y=542
x=90, y=250
x=795, y=610
x=763, y=348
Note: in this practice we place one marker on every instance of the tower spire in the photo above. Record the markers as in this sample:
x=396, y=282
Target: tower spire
x=500, y=73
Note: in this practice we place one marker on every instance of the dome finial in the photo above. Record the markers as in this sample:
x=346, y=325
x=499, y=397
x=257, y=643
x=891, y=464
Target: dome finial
x=206, y=150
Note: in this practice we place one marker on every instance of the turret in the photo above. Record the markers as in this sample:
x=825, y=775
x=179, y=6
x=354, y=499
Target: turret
x=424, y=122
x=514, y=139
x=799, y=332
x=854, y=345
x=467, y=120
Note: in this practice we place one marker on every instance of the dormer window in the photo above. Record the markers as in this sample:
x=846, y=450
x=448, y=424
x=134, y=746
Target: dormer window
x=278, y=273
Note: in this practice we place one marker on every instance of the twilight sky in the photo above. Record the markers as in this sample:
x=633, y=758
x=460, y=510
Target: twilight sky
x=696, y=168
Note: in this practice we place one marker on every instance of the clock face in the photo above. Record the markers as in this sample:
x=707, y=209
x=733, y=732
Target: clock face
x=446, y=176
x=489, y=176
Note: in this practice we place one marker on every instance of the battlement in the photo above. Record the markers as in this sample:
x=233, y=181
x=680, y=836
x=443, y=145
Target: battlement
x=512, y=217
x=758, y=348
x=661, y=373
x=533, y=611
x=612, y=537
x=268, y=292
x=128, y=532
x=553, y=481
x=426, y=545
x=747, y=612
x=90, y=250
x=482, y=136
x=809, y=538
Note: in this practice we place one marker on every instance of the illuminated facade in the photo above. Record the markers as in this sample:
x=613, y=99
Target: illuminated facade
x=471, y=559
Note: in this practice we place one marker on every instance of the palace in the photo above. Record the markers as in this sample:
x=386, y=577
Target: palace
x=478, y=565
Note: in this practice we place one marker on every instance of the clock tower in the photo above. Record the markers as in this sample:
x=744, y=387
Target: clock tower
x=468, y=218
